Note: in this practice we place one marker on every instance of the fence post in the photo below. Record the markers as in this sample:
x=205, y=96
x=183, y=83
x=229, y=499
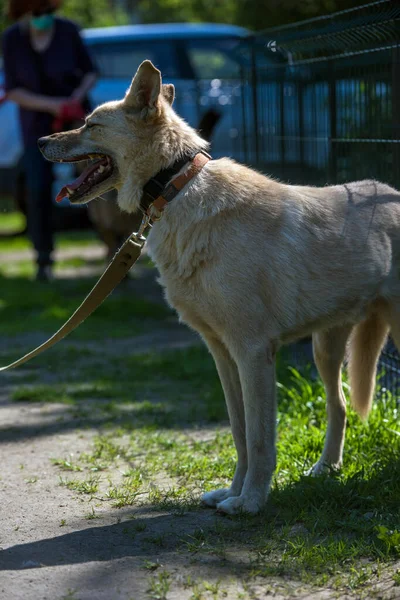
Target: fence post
x=255, y=102
x=300, y=108
x=333, y=128
x=244, y=128
x=396, y=113
x=282, y=123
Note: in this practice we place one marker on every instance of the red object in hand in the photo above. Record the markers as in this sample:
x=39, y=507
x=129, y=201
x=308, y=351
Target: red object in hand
x=70, y=111
x=3, y=94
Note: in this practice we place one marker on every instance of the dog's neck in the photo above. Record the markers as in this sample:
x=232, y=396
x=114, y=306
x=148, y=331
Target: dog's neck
x=175, y=140
x=157, y=186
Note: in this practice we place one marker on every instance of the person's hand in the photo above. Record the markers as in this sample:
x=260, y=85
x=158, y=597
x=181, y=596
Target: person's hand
x=70, y=112
x=55, y=105
x=77, y=96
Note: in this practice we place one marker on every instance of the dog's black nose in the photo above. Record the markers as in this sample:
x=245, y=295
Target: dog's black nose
x=42, y=142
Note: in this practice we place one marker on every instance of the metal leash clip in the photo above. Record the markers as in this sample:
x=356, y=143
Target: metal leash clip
x=138, y=235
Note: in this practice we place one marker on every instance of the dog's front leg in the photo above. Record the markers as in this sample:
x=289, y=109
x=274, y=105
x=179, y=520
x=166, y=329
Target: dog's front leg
x=229, y=376
x=257, y=376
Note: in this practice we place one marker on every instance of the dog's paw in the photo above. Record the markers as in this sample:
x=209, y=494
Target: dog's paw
x=213, y=498
x=323, y=468
x=251, y=504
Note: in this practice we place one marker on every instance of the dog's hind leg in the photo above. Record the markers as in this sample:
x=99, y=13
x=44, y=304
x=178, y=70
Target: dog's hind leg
x=329, y=349
x=229, y=377
x=256, y=364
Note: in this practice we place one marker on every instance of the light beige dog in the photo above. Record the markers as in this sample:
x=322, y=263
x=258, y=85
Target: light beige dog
x=251, y=263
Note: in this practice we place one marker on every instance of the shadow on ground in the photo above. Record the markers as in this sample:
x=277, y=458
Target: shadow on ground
x=303, y=515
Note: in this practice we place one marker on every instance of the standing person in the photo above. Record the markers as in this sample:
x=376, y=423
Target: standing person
x=48, y=73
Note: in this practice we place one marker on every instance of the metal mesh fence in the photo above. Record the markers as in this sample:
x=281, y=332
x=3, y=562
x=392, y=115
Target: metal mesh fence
x=325, y=108
x=388, y=373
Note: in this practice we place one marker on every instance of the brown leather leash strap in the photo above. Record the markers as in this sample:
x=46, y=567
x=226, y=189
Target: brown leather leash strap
x=115, y=272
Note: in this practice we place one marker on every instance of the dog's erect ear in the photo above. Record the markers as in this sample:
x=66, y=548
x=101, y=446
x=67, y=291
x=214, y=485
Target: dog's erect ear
x=168, y=91
x=144, y=92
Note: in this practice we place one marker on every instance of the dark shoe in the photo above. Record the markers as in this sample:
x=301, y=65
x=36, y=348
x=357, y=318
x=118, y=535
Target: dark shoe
x=44, y=273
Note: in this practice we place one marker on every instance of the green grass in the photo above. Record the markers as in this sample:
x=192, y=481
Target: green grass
x=152, y=389
x=12, y=221
x=27, y=268
x=63, y=240
x=159, y=586
x=15, y=221
x=28, y=306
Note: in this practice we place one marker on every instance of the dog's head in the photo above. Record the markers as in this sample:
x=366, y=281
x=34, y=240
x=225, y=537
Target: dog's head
x=128, y=141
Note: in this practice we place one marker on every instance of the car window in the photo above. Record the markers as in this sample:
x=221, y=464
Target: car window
x=213, y=59
x=121, y=59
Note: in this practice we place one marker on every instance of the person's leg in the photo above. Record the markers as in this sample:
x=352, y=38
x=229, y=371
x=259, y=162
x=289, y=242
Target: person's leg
x=39, y=205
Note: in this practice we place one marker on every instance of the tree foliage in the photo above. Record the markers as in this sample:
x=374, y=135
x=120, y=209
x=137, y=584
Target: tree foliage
x=254, y=14
x=221, y=11
x=87, y=13
x=94, y=13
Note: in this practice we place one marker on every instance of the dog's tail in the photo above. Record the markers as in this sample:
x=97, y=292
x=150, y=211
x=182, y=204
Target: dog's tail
x=366, y=342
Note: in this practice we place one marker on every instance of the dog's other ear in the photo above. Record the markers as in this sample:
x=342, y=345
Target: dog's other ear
x=168, y=91
x=144, y=92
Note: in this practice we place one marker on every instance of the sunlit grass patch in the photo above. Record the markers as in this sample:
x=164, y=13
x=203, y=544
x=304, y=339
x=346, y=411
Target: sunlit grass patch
x=66, y=464
x=11, y=221
x=15, y=221
x=40, y=393
x=26, y=268
x=87, y=486
x=22, y=243
x=27, y=306
x=127, y=492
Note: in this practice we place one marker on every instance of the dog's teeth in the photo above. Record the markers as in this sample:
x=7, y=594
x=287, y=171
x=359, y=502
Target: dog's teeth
x=69, y=190
x=101, y=169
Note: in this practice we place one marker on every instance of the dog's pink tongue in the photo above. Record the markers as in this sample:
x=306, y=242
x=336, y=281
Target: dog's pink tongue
x=63, y=193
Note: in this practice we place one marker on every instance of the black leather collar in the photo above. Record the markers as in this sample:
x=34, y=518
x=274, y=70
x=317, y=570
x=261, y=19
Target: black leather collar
x=157, y=184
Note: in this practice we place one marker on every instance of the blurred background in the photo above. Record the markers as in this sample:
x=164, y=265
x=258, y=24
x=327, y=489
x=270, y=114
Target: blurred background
x=308, y=92
x=129, y=407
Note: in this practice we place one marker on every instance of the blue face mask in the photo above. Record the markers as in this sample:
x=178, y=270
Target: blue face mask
x=43, y=22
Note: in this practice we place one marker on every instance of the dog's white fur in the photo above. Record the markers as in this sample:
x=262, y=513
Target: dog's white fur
x=251, y=263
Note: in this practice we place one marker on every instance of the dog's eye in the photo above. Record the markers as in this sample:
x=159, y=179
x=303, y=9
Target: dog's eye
x=91, y=125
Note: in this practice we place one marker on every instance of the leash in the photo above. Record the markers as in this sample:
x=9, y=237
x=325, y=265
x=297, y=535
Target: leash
x=125, y=258
x=122, y=262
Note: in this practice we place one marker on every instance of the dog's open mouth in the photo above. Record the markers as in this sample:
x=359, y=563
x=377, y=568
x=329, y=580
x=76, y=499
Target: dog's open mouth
x=94, y=174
